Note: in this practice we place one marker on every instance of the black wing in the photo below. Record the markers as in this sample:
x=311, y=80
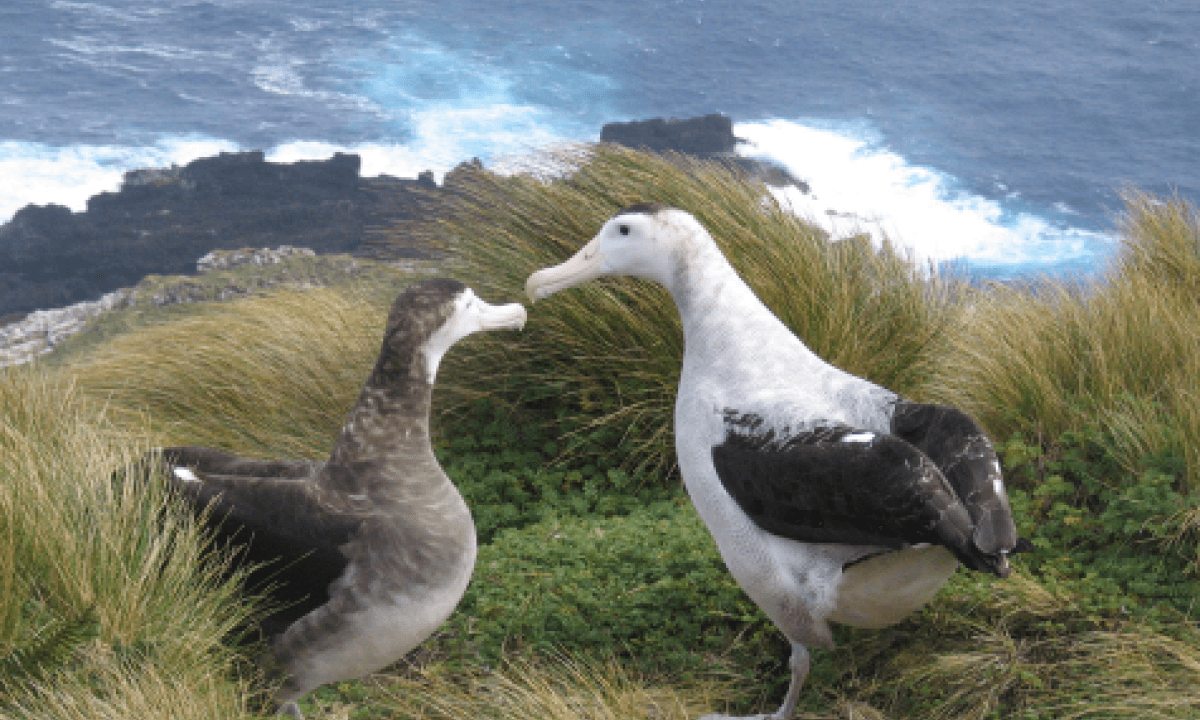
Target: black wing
x=277, y=515
x=840, y=485
x=965, y=456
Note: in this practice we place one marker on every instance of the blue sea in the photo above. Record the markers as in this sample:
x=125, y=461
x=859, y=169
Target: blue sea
x=996, y=136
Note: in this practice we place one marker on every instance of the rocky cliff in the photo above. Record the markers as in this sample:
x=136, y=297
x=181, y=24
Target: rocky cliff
x=163, y=219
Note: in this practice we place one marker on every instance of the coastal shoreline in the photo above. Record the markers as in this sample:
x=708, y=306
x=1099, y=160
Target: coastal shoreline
x=60, y=269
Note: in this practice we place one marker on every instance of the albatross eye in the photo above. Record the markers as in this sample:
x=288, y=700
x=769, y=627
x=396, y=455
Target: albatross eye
x=624, y=229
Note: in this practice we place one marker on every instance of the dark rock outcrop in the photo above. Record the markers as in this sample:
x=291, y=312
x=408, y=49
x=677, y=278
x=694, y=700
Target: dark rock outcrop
x=162, y=219
x=709, y=138
x=704, y=137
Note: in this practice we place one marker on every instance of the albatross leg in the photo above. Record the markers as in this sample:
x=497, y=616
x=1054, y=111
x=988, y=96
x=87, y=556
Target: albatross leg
x=800, y=663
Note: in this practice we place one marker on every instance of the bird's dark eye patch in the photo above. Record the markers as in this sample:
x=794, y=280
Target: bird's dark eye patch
x=624, y=229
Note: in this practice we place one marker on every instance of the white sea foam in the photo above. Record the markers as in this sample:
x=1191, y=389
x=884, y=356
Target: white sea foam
x=42, y=174
x=448, y=105
x=860, y=186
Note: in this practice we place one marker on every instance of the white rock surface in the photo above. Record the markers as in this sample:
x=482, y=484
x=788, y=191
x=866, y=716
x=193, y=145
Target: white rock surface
x=41, y=330
x=223, y=259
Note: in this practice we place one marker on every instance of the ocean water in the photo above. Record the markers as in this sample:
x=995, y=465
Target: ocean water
x=997, y=136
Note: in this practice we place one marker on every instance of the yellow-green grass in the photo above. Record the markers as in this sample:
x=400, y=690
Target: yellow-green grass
x=553, y=687
x=110, y=554
x=1022, y=647
x=1122, y=351
x=266, y=377
x=163, y=299
x=612, y=348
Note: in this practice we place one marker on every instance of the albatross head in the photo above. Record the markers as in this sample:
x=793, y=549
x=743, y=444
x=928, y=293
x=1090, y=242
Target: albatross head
x=469, y=314
x=432, y=315
x=642, y=240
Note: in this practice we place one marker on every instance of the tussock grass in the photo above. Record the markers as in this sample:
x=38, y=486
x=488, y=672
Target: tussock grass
x=1047, y=361
x=83, y=540
x=1019, y=648
x=1131, y=672
x=1160, y=241
x=270, y=377
x=1123, y=351
x=612, y=348
x=1013, y=660
x=113, y=689
x=171, y=298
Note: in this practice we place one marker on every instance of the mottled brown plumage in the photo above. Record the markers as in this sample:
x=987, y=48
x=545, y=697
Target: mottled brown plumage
x=379, y=521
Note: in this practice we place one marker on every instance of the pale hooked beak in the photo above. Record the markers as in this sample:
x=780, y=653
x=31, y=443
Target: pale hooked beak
x=501, y=317
x=587, y=264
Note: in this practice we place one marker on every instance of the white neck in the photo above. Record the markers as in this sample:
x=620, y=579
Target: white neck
x=717, y=309
x=738, y=354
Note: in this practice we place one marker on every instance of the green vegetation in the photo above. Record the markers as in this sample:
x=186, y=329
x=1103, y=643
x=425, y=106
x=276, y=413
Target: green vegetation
x=598, y=593
x=161, y=299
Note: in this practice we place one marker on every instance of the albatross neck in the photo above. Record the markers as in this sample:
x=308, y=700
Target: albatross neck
x=389, y=424
x=717, y=309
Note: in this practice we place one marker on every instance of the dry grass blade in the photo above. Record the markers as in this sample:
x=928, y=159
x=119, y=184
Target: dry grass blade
x=141, y=691
x=559, y=687
x=1160, y=240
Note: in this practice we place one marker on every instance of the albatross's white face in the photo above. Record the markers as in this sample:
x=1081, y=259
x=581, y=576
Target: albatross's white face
x=633, y=243
x=470, y=315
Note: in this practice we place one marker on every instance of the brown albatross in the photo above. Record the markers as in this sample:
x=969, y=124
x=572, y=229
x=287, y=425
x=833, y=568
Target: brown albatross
x=379, y=519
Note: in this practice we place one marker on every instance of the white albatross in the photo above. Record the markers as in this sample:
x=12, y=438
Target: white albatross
x=379, y=523
x=830, y=498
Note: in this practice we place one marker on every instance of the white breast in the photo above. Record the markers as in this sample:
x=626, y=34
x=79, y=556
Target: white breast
x=884, y=589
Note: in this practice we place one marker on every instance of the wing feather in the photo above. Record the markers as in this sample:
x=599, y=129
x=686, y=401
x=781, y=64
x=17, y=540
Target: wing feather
x=965, y=456
x=838, y=484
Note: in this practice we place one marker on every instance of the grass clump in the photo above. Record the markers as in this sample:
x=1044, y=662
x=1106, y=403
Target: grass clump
x=555, y=686
x=1120, y=352
x=98, y=573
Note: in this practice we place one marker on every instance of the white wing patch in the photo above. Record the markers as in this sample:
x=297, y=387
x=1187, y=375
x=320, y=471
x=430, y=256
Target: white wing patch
x=859, y=437
x=185, y=475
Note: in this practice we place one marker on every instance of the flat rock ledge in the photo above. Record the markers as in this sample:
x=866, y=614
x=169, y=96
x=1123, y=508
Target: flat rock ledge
x=42, y=330
x=222, y=259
